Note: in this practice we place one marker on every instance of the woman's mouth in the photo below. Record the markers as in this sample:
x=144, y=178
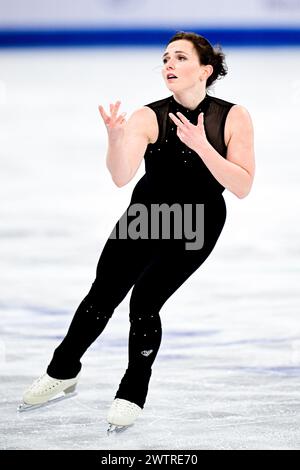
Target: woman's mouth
x=171, y=76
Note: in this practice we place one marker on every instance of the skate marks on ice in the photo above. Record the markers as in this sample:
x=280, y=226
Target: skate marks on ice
x=215, y=409
x=229, y=385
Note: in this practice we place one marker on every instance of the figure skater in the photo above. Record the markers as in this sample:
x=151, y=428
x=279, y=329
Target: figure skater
x=194, y=146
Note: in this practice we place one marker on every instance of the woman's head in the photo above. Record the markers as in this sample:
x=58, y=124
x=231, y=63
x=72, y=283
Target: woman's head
x=194, y=59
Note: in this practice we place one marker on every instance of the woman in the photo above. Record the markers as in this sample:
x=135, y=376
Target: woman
x=194, y=146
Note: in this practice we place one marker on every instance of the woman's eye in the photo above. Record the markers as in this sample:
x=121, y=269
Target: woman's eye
x=179, y=57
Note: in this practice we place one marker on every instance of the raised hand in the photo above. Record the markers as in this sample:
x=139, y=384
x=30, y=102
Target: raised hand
x=115, y=124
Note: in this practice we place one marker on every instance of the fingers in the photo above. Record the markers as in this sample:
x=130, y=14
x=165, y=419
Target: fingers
x=175, y=119
x=113, y=117
x=201, y=117
x=104, y=116
x=121, y=118
x=114, y=108
x=183, y=118
x=182, y=122
x=102, y=112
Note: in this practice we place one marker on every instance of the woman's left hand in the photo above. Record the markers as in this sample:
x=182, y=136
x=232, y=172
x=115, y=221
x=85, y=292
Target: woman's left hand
x=192, y=136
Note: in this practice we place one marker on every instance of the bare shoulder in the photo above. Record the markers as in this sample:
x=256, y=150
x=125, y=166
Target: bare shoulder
x=239, y=115
x=144, y=121
x=238, y=120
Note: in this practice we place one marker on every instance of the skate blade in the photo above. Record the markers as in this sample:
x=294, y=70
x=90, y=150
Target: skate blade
x=25, y=407
x=114, y=429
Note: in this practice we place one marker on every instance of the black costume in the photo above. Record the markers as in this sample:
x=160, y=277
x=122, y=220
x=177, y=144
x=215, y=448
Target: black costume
x=155, y=268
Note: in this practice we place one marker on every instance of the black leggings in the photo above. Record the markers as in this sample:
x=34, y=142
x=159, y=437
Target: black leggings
x=155, y=269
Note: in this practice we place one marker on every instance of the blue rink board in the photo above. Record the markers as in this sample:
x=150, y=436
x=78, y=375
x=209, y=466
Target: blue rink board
x=57, y=37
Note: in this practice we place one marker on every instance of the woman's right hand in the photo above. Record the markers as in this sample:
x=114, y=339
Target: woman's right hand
x=115, y=124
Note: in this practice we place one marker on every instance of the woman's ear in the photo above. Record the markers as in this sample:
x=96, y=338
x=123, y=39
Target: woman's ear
x=207, y=71
x=210, y=70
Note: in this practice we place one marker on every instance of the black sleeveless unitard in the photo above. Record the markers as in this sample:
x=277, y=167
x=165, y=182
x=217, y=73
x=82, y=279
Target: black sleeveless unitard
x=174, y=172
x=153, y=268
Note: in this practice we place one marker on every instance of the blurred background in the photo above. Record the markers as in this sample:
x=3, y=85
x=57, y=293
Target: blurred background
x=231, y=344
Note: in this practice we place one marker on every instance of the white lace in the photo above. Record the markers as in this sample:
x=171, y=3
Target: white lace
x=125, y=407
x=45, y=382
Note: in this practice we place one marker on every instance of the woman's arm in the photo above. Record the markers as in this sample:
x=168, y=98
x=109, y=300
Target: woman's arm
x=127, y=141
x=236, y=172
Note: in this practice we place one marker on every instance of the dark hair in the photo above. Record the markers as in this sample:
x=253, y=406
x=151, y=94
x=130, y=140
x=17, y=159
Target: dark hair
x=208, y=55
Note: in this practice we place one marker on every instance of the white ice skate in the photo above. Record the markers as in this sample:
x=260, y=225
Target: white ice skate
x=46, y=390
x=121, y=415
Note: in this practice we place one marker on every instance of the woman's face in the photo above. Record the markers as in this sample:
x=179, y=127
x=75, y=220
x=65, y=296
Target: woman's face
x=181, y=60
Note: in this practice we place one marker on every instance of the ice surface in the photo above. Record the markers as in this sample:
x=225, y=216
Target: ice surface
x=228, y=372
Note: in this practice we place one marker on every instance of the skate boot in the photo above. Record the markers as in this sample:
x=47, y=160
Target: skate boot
x=46, y=390
x=121, y=415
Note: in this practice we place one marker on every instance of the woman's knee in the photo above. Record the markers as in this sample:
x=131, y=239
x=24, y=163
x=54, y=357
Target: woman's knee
x=140, y=304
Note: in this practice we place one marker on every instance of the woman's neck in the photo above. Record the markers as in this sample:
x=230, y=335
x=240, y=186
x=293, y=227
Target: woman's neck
x=190, y=101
